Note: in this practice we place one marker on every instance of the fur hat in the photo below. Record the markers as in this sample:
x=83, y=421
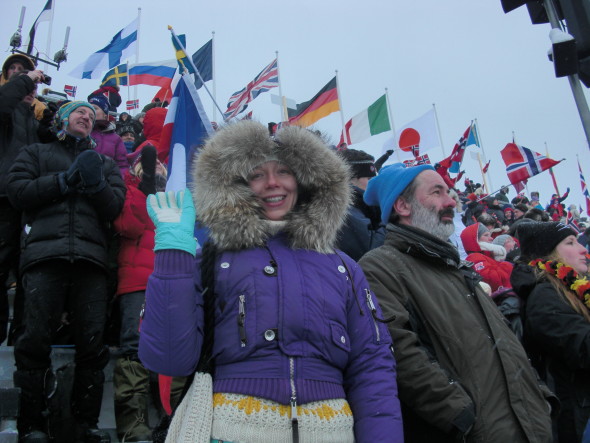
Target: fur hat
x=392, y=180
x=227, y=206
x=539, y=239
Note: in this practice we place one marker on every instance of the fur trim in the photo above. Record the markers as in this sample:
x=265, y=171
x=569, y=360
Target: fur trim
x=226, y=205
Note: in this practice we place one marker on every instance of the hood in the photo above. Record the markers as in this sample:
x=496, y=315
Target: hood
x=153, y=123
x=469, y=238
x=227, y=206
x=523, y=279
x=26, y=61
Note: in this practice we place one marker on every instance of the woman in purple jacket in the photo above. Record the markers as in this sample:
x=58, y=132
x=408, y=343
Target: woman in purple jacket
x=300, y=350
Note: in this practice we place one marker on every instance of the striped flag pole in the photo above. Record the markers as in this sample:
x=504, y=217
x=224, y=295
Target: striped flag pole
x=190, y=59
x=551, y=172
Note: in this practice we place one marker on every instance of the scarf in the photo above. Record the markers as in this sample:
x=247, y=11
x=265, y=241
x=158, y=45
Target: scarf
x=420, y=244
x=567, y=276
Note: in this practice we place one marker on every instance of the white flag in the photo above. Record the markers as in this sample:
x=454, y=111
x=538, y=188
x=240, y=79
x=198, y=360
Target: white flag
x=415, y=138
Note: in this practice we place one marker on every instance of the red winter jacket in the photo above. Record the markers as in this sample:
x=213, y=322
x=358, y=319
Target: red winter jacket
x=136, y=254
x=494, y=273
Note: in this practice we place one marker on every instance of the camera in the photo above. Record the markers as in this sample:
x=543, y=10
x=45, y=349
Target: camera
x=47, y=80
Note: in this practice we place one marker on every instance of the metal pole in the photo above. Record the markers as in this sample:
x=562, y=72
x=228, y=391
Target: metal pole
x=391, y=123
x=340, y=102
x=438, y=129
x=577, y=91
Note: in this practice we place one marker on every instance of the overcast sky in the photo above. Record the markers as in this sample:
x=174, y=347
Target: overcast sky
x=467, y=57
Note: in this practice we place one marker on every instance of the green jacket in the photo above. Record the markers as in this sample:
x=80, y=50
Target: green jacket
x=461, y=372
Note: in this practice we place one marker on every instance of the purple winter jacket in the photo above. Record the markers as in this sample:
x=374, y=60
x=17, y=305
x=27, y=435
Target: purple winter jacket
x=302, y=322
x=111, y=145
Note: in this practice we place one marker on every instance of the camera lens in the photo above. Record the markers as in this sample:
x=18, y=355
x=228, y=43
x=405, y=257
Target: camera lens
x=47, y=80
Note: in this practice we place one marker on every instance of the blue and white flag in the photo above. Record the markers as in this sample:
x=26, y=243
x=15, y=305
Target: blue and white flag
x=122, y=46
x=185, y=129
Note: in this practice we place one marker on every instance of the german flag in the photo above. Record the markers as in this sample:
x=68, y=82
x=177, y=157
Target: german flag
x=322, y=104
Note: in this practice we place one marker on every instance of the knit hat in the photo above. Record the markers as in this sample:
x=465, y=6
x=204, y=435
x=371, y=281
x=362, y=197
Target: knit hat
x=384, y=189
x=361, y=164
x=539, y=239
x=61, y=119
x=481, y=230
x=501, y=239
x=521, y=207
x=101, y=101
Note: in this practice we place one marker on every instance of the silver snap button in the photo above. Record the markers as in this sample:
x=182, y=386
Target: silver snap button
x=269, y=270
x=343, y=339
x=225, y=265
x=342, y=269
x=269, y=335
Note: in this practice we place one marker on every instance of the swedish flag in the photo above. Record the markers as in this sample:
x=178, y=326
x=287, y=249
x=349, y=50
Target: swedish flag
x=183, y=61
x=116, y=76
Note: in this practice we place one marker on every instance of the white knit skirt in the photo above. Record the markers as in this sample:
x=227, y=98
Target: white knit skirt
x=244, y=419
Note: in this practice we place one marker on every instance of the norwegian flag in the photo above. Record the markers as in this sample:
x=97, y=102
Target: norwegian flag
x=267, y=79
x=571, y=222
x=417, y=161
x=584, y=189
x=70, y=90
x=522, y=164
x=132, y=104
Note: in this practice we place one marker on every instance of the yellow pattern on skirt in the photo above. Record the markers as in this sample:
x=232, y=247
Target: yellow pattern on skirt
x=245, y=419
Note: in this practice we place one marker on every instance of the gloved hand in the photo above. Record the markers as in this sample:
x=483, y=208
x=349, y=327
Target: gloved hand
x=174, y=217
x=69, y=180
x=90, y=166
x=147, y=185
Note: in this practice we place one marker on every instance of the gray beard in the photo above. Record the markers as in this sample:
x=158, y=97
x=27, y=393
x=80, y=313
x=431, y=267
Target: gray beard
x=429, y=221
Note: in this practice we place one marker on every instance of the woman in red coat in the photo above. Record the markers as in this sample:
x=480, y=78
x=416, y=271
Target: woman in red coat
x=136, y=263
x=487, y=258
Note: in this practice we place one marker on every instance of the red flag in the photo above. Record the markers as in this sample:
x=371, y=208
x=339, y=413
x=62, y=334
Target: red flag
x=486, y=167
x=522, y=163
x=584, y=189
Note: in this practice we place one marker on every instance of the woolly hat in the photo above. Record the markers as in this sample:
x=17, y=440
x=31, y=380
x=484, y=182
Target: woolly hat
x=63, y=113
x=384, y=189
x=539, y=239
x=101, y=101
x=361, y=164
x=481, y=230
x=501, y=239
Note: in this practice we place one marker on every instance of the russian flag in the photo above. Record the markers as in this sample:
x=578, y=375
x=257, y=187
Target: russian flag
x=155, y=73
x=185, y=129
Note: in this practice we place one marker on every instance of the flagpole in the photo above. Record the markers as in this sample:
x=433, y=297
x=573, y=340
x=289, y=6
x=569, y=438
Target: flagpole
x=485, y=158
x=339, y=101
x=391, y=123
x=190, y=60
x=483, y=175
x=47, y=52
x=551, y=172
x=128, y=84
x=438, y=129
x=214, y=86
x=284, y=114
x=136, y=52
x=584, y=187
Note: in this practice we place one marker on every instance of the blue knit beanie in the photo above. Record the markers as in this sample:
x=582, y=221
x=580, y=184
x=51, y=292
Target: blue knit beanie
x=384, y=189
x=62, y=117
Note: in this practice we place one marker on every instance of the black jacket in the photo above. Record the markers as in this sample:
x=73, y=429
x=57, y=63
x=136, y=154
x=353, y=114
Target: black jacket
x=362, y=230
x=557, y=340
x=18, y=126
x=69, y=227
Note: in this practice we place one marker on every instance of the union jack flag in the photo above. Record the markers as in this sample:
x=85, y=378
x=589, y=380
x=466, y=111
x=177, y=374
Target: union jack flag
x=417, y=161
x=584, y=189
x=132, y=104
x=267, y=79
x=522, y=164
x=70, y=90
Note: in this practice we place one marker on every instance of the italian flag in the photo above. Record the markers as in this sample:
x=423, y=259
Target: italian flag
x=373, y=120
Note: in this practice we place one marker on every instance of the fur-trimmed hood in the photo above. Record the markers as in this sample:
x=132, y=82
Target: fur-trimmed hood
x=227, y=206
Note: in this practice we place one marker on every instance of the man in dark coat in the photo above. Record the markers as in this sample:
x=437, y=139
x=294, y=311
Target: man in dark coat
x=362, y=230
x=68, y=194
x=462, y=374
x=18, y=128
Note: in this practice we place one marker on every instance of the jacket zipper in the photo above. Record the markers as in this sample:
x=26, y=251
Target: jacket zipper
x=294, y=419
x=242, y=320
x=373, y=313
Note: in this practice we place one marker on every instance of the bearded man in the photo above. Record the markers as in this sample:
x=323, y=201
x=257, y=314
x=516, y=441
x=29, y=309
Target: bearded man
x=462, y=373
